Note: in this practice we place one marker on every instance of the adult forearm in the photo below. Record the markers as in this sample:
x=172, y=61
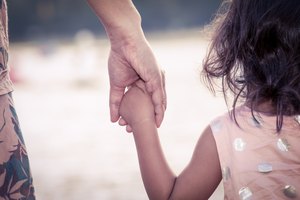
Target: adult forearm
x=158, y=178
x=119, y=17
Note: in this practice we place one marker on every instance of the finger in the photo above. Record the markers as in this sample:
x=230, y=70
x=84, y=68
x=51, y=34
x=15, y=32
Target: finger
x=140, y=84
x=157, y=90
x=159, y=114
x=122, y=122
x=163, y=75
x=159, y=109
x=128, y=129
x=115, y=97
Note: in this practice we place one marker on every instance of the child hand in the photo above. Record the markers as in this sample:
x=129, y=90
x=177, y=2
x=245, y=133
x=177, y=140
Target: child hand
x=136, y=106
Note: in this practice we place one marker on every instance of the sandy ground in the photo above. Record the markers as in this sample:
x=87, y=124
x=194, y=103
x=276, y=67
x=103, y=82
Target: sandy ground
x=62, y=101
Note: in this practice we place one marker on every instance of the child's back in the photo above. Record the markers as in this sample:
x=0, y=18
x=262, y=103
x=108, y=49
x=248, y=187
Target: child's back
x=256, y=162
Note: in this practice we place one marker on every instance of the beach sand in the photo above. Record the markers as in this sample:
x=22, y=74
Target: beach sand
x=61, y=96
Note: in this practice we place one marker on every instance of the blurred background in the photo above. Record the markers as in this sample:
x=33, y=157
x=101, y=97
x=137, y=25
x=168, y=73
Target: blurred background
x=58, y=56
x=64, y=18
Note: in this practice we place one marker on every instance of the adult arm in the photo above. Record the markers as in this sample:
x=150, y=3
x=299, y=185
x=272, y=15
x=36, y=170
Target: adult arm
x=131, y=57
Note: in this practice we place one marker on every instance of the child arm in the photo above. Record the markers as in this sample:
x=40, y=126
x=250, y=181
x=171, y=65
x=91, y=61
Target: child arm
x=203, y=174
x=197, y=181
x=137, y=109
x=157, y=176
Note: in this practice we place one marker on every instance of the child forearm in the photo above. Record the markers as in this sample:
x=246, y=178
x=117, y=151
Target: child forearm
x=157, y=176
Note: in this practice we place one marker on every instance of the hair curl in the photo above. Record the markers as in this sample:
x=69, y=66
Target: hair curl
x=255, y=51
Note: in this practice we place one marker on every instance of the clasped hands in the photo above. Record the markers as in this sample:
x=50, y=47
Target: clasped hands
x=134, y=65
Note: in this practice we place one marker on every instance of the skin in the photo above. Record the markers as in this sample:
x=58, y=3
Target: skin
x=131, y=57
x=142, y=108
x=200, y=177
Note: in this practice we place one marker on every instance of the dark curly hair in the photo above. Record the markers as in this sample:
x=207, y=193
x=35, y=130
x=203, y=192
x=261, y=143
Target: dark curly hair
x=255, y=52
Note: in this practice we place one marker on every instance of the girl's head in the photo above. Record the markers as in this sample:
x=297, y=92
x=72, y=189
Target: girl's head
x=255, y=51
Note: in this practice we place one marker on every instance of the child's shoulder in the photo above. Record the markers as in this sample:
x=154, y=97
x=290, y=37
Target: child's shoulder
x=243, y=120
x=235, y=121
x=226, y=119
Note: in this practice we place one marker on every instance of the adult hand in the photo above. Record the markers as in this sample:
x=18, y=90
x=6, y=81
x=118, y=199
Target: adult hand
x=129, y=62
x=131, y=57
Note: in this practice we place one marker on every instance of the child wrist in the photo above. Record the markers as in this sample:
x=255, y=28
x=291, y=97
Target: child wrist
x=143, y=122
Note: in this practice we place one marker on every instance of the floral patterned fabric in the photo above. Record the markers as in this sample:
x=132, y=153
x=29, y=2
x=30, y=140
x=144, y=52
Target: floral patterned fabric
x=6, y=85
x=15, y=176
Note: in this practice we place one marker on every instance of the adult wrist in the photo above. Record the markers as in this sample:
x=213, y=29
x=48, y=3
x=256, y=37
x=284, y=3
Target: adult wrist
x=120, y=18
x=125, y=33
